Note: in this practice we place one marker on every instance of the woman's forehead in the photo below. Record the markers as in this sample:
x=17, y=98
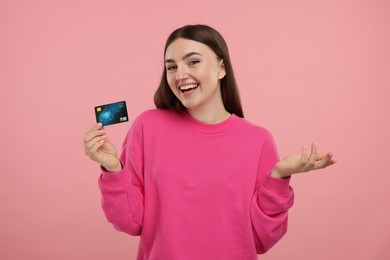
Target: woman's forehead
x=181, y=47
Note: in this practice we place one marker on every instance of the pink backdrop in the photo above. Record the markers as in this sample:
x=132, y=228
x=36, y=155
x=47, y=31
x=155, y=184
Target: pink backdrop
x=307, y=71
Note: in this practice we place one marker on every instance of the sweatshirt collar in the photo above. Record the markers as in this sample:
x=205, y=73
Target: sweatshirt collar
x=209, y=128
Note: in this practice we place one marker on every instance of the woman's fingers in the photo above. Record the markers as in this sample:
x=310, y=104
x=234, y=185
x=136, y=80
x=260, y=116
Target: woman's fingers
x=303, y=159
x=98, y=148
x=97, y=143
x=325, y=161
x=94, y=131
x=316, y=160
x=309, y=162
x=93, y=140
x=313, y=155
x=92, y=152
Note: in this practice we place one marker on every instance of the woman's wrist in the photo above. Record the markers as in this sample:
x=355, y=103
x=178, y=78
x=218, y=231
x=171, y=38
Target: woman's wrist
x=276, y=174
x=115, y=169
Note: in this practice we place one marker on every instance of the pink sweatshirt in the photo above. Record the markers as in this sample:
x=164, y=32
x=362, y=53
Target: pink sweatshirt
x=197, y=191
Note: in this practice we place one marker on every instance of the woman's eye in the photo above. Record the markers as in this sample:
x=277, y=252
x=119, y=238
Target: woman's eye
x=171, y=67
x=194, y=62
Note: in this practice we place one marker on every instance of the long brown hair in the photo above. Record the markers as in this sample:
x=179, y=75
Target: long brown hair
x=164, y=97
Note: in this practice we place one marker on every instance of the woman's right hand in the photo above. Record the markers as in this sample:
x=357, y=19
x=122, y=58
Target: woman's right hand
x=100, y=149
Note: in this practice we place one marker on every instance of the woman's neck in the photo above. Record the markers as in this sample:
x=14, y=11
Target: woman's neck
x=213, y=115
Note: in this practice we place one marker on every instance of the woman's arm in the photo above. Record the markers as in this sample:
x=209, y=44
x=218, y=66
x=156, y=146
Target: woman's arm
x=123, y=191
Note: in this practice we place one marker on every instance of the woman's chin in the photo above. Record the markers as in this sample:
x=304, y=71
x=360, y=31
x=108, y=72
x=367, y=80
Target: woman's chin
x=189, y=104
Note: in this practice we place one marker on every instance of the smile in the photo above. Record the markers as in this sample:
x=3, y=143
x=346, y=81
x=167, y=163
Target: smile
x=189, y=87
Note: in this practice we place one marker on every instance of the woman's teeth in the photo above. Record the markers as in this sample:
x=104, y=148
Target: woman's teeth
x=188, y=87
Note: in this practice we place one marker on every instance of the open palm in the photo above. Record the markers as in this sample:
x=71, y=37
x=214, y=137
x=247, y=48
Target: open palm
x=298, y=163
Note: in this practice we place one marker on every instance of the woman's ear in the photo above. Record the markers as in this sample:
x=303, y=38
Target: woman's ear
x=222, y=70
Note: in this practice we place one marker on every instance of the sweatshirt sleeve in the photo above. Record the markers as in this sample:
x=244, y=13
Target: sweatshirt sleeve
x=123, y=192
x=271, y=200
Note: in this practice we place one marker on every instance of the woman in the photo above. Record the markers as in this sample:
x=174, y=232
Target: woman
x=195, y=179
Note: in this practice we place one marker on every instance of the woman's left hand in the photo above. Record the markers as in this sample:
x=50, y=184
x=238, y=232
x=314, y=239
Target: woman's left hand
x=302, y=163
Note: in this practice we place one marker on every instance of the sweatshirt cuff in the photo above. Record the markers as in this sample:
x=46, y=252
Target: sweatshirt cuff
x=276, y=185
x=114, y=179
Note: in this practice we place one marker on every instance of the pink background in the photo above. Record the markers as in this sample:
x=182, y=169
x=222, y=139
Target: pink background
x=307, y=71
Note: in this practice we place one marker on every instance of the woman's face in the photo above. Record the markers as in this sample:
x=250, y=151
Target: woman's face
x=194, y=73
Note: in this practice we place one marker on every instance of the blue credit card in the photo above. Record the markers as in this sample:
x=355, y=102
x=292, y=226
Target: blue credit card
x=112, y=113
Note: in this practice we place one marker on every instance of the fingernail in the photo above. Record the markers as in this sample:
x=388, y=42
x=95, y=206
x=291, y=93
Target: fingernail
x=102, y=131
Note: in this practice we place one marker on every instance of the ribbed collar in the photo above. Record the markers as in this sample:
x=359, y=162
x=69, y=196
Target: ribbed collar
x=209, y=128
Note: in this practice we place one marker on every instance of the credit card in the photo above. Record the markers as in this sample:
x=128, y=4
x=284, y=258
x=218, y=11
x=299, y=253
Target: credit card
x=112, y=113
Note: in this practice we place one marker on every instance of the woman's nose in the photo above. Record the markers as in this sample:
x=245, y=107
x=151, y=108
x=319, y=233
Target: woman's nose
x=181, y=73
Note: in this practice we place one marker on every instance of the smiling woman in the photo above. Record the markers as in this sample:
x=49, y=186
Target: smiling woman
x=196, y=39
x=194, y=78
x=195, y=179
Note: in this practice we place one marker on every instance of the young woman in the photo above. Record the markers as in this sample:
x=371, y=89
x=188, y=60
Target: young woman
x=195, y=179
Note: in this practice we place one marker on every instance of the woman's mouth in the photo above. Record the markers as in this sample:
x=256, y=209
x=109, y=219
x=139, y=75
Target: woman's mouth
x=189, y=87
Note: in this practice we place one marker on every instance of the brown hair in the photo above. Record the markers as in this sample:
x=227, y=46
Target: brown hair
x=164, y=97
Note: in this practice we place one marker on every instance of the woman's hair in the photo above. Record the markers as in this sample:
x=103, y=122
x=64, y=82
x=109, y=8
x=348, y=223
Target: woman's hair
x=164, y=97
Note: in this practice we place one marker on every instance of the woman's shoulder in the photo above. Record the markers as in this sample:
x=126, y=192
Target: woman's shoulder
x=251, y=126
x=255, y=128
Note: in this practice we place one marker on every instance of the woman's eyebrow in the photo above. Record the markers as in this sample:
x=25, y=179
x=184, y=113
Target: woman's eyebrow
x=184, y=57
